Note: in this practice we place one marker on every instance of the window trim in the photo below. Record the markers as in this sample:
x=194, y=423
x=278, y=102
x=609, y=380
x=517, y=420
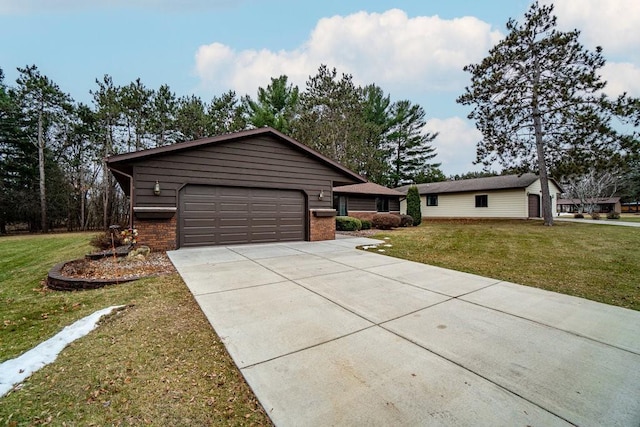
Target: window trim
x=432, y=197
x=480, y=198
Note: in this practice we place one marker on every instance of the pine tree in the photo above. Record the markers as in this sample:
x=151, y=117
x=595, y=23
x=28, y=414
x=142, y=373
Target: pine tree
x=538, y=102
x=413, y=205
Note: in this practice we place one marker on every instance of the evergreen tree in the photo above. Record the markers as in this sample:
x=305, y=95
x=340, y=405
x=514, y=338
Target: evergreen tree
x=413, y=205
x=276, y=105
x=226, y=114
x=47, y=107
x=538, y=102
x=164, y=106
x=192, y=121
x=410, y=144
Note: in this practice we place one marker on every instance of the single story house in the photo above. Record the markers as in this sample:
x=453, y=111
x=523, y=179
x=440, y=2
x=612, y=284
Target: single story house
x=601, y=205
x=507, y=196
x=365, y=200
x=252, y=186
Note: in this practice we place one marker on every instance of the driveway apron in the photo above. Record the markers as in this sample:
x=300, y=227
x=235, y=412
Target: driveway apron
x=326, y=334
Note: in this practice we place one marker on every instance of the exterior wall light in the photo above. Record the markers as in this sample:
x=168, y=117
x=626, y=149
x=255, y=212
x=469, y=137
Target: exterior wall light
x=156, y=189
x=321, y=195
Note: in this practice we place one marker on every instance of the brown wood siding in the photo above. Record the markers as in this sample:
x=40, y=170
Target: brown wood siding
x=260, y=162
x=361, y=204
x=368, y=203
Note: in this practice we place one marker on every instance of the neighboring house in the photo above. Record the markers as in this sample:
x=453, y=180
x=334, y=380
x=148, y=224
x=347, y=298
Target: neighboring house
x=601, y=205
x=507, y=196
x=247, y=187
x=363, y=201
x=631, y=207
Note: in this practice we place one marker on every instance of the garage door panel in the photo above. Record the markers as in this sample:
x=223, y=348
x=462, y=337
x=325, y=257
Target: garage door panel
x=212, y=215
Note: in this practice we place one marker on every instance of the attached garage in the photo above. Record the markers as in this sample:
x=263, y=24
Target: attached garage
x=213, y=215
x=254, y=186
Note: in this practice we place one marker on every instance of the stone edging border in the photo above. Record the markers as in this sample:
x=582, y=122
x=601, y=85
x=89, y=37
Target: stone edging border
x=57, y=281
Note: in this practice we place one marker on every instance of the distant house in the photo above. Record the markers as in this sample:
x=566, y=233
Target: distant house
x=601, y=205
x=507, y=196
x=365, y=200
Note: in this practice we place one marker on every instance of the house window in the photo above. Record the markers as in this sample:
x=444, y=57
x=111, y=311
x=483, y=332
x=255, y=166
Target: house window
x=382, y=204
x=340, y=204
x=482, y=201
x=432, y=200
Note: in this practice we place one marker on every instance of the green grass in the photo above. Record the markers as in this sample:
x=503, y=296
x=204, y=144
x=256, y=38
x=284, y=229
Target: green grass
x=156, y=362
x=629, y=218
x=597, y=262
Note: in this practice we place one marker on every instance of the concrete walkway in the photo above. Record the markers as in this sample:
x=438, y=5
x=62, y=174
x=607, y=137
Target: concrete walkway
x=329, y=335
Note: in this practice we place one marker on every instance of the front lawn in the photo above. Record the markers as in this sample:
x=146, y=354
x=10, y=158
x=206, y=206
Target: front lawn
x=156, y=362
x=597, y=262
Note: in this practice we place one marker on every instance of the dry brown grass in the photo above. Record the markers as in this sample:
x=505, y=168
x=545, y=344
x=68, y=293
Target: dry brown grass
x=156, y=362
x=597, y=262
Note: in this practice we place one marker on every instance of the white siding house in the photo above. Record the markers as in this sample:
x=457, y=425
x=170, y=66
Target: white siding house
x=509, y=196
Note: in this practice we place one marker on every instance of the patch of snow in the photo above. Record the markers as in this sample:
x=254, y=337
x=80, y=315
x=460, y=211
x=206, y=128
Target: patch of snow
x=388, y=246
x=16, y=370
x=380, y=250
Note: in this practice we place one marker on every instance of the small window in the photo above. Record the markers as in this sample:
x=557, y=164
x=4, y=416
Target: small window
x=432, y=200
x=340, y=204
x=482, y=201
x=382, y=204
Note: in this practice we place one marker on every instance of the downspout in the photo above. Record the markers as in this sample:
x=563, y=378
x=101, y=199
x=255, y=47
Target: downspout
x=131, y=194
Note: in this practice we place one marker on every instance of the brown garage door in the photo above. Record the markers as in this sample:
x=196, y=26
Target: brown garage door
x=230, y=215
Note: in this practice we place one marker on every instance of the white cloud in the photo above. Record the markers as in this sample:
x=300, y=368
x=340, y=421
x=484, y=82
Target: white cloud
x=456, y=144
x=621, y=77
x=612, y=24
x=398, y=53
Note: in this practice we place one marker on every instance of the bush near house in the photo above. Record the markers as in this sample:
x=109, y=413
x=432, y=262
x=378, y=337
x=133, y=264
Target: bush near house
x=595, y=215
x=578, y=215
x=385, y=221
x=366, y=224
x=348, y=223
x=406, y=221
x=613, y=215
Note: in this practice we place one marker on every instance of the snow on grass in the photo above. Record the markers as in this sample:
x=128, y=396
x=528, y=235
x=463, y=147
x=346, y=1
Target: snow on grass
x=16, y=370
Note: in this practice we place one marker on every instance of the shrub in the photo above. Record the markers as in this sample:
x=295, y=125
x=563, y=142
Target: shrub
x=385, y=221
x=413, y=205
x=366, y=224
x=406, y=220
x=595, y=215
x=103, y=241
x=613, y=215
x=348, y=223
x=578, y=215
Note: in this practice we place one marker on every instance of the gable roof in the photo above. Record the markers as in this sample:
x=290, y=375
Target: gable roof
x=119, y=160
x=503, y=182
x=367, y=188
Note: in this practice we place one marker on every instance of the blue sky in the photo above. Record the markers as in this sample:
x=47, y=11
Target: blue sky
x=412, y=49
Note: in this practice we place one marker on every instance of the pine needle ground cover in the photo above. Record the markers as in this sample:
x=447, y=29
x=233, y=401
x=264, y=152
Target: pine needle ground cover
x=158, y=361
x=597, y=262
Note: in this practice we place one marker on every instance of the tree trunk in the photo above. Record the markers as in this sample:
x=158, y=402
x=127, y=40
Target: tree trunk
x=43, y=189
x=547, y=212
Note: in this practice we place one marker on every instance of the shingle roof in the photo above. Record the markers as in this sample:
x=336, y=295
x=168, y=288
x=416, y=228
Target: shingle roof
x=367, y=188
x=476, y=184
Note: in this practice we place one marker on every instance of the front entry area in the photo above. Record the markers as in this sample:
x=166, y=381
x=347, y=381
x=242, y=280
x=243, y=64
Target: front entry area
x=217, y=215
x=534, y=206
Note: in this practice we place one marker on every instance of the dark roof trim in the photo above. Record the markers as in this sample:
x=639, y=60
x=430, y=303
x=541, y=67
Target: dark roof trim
x=180, y=146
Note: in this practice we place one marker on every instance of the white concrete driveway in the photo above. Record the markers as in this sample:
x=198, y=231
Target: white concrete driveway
x=329, y=335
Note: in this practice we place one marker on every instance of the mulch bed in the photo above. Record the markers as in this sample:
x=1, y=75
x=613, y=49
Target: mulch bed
x=120, y=268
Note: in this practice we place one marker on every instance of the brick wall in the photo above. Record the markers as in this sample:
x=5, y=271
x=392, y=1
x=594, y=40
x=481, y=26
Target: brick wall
x=321, y=228
x=158, y=234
